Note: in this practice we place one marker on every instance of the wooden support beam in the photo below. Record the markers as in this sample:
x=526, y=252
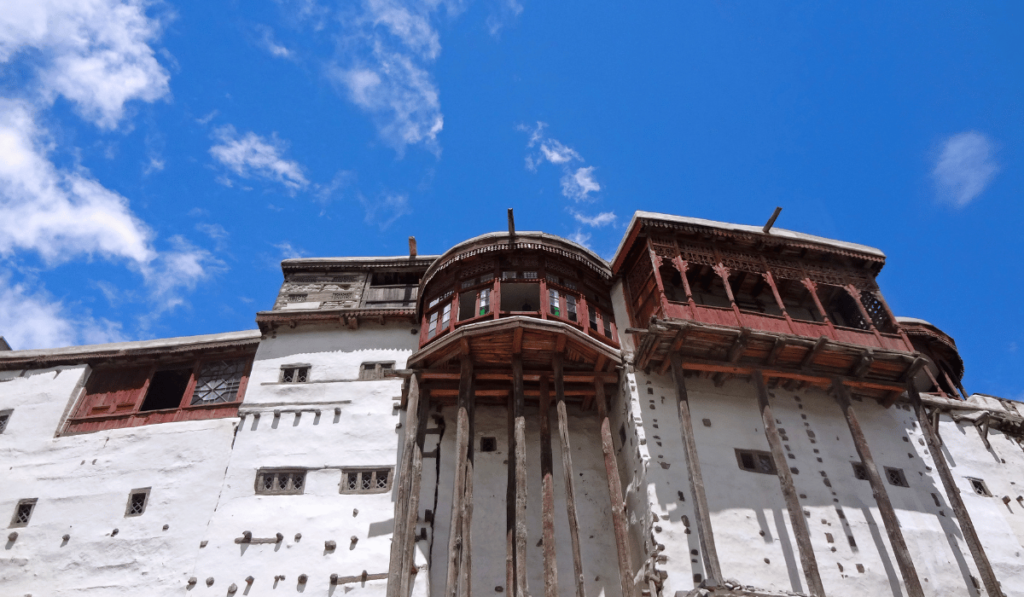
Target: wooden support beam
x=587, y=377
x=467, y=402
x=456, y=537
x=567, y=472
x=705, y=536
x=619, y=523
x=773, y=356
x=548, y=494
x=814, y=352
x=796, y=513
x=739, y=345
x=864, y=365
x=885, y=509
x=521, y=587
x=693, y=364
x=517, y=340
x=988, y=576
x=514, y=565
x=413, y=510
x=400, y=537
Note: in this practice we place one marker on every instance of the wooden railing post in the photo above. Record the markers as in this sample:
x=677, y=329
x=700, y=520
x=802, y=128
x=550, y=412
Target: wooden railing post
x=885, y=509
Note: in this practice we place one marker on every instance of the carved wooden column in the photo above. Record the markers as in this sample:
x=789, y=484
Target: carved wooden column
x=659, y=283
x=705, y=536
x=885, y=509
x=988, y=576
x=812, y=289
x=855, y=295
x=407, y=501
x=681, y=267
x=615, y=493
x=778, y=297
x=796, y=513
x=567, y=471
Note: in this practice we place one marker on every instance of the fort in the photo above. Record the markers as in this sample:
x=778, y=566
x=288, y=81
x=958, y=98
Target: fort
x=719, y=410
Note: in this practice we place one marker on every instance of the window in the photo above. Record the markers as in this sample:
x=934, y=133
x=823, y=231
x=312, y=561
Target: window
x=979, y=487
x=554, y=303
x=280, y=481
x=137, y=500
x=755, y=461
x=896, y=477
x=295, y=373
x=23, y=512
x=392, y=290
x=166, y=389
x=488, y=444
x=469, y=301
x=372, y=371
x=446, y=316
x=5, y=416
x=432, y=325
x=377, y=480
x=297, y=298
x=860, y=471
x=219, y=381
x=519, y=296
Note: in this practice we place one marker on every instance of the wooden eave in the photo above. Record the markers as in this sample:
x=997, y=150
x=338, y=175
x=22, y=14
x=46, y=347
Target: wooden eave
x=271, y=320
x=722, y=351
x=146, y=355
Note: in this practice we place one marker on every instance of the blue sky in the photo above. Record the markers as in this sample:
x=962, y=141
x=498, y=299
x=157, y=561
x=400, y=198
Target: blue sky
x=158, y=159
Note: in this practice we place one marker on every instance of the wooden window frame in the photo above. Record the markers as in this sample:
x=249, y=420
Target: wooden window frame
x=363, y=470
x=145, y=502
x=976, y=483
x=860, y=471
x=289, y=489
x=295, y=367
x=758, y=456
x=900, y=475
x=5, y=418
x=379, y=370
x=31, y=502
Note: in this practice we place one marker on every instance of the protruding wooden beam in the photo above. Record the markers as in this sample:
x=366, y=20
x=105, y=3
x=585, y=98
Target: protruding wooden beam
x=705, y=536
x=619, y=523
x=739, y=345
x=813, y=353
x=548, y=494
x=988, y=575
x=773, y=356
x=401, y=536
x=864, y=365
x=796, y=514
x=567, y=472
x=885, y=509
x=511, y=227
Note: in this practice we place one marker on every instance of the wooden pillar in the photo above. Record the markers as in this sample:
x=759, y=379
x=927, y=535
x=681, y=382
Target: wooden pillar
x=413, y=513
x=567, y=470
x=778, y=297
x=855, y=295
x=615, y=493
x=659, y=283
x=988, y=576
x=705, y=536
x=515, y=559
x=681, y=267
x=548, y=494
x=401, y=537
x=467, y=401
x=522, y=590
x=456, y=537
x=796, y=513
x=812, y=289
x=885, y=509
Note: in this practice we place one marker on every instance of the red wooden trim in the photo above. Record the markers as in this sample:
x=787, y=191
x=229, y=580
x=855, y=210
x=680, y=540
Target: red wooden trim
x=496, y=296
x=658, y=282
x=243, y=384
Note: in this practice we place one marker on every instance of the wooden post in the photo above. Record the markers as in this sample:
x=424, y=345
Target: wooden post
x=456, y=537
x=400, y=536
x=615, y=493
x=855, y=295
x=892, y=525
x=467, y=400
x=796, y=514
x=988, y=576
x=812, y=289
x=567, y=471
x=548, y=494
x=521, y=586
x=705, y=536
x=515, y=565
x=658, y=282
x=413, y=514
x=778, y=297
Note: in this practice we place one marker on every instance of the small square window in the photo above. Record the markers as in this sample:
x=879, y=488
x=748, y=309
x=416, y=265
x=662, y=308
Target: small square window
x=280, y=481
x=979, y=487
x=488, y=444
x=377, y=480
x=860, y=471
x=896, y=477
x=137, y=500
x=5, y=416
x=755, y=461
x=295, y=374
x=23, y=512
x=297, y=298
x=374, y=371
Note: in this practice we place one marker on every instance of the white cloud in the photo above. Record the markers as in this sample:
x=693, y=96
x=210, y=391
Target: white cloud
x=965, y=167
x=252, y=156
x=581, y=238
x=95, y=53
x=384, y=210
x=504, y=14
x=288, y=251
x=268, y=43
x=35, y=320
x=578, y=185
x=556, y=153
x=601, y=219
x=156, y=164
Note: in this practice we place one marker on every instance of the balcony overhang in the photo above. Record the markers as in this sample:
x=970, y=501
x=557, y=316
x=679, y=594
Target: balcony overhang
x=786, y=359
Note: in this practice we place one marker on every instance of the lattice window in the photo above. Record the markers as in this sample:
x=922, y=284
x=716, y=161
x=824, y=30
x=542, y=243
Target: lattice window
x=5, y=416
x=876, y=310
x=23, y=512
x=137, y=500
x=979, y=487
x=368, y=480
x=860, y=471
x=755, y=461
x=297, y=298
x=372, y=371
x=219, y=382
x=295, y=373
x=896, y=477
x=280, y=481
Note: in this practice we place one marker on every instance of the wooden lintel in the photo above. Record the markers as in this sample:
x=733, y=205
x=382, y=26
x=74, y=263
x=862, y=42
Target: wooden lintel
x=819, y=380
x=530, y=376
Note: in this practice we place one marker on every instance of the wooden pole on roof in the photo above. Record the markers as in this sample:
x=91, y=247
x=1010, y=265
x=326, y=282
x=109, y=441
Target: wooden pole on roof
x=888, y=513
x=796, y=513
x=611, y=466
x=567, y=471
x=771, y=220
x=511, y=228
x=988, y=576
x=705, y=536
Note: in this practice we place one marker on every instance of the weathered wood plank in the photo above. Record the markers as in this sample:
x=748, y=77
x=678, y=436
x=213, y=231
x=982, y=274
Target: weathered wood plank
x=888, y=513
x=400, y=537
x=796, y=514
x=567, y=471
x=615, y=493
x=458, y=498
x=521, y=586
x=413, y=511
x=548, y=494
x=988, y=576
x=705, y=535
